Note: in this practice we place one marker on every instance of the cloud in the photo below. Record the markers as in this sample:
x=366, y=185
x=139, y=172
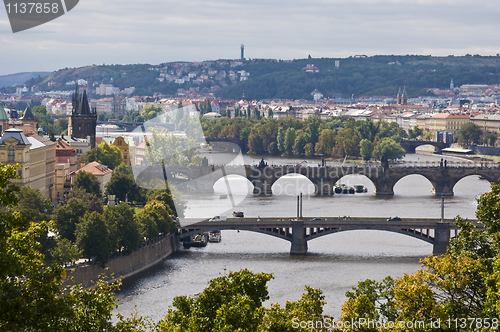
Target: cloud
x=154, y=31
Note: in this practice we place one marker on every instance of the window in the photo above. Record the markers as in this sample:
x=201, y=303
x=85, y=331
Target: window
x=11, y=153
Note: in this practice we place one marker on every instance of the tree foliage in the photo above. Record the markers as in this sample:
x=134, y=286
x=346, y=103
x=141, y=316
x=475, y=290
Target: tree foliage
x=87, y=182
x=104, y=154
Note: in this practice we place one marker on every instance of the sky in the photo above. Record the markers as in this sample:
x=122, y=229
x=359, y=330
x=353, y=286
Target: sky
x=157, y=31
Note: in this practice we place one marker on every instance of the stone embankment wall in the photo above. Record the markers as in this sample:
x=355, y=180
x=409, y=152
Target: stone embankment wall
x=151, y=253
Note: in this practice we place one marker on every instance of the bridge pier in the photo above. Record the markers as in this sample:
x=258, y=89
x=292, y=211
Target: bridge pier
x=323, y=188
x=443, y=189
x=299, y=242
x=441, y=239
x=384, y=188
x=261, y=188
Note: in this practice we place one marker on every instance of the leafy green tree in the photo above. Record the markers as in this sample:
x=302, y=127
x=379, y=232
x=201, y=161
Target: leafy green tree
x=415, y=132
x=87, y=182
x=151, y=111
x=389, y=149
x=312, y=128
x=281, y=139
x=92, y=237
x=62, y=125
x=31, y=296
x=368, y=129
x=229, y=303
x=65, y=252
x=104, y=154
x=346, y=143
x=123, y=186
x=68, y=215
x=309, y=149
x=155, y=219
x=298, y=146
x=469, y=133
x=289, y=140
x=124, y=231
x=93, y=202
x=33, y=205
x=166, y=196
x=365, y=149
x=326, y=142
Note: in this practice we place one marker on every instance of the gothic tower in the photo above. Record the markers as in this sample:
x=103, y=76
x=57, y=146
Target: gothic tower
x=83, y=119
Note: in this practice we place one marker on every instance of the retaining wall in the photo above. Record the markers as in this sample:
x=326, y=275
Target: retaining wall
x=153, y=252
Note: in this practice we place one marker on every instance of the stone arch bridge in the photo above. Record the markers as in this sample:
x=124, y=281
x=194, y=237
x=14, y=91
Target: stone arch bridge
x=299, y=232
x=443, y=178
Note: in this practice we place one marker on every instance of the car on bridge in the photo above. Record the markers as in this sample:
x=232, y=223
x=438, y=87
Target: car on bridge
x=315, y=219
x=393, y=219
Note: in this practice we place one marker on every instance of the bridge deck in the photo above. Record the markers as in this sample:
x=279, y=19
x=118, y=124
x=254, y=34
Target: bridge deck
x=307, y=222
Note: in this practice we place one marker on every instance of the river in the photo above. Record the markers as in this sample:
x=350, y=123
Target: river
x=334, y=263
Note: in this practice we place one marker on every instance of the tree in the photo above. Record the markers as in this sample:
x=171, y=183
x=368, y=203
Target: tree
x=123, y=186
x=326, y=142
x=234, y=303
x=124, y=231
x=68, y=215
x=389, y=149
x=31, y=296
x=461, y=285
x=469, y=133
x=346, y=143
x=298, y=146
x=415, y=132
x=92, y=237
x=155, y=219
x=65, y=252
x=229, y=303
x=365, y=149
x=289, y=141
x=87, y=182
x=368, y=129
x=105, y=154
x=281, y=139
x=151, y=111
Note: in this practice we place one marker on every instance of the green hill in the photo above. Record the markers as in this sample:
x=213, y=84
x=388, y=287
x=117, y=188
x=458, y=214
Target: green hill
x=356, y=76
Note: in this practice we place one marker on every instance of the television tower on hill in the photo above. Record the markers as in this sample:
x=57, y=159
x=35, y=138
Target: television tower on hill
x=242, y=52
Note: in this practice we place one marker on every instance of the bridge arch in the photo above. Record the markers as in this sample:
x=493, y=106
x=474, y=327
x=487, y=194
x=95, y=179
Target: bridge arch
x=417, y=234
x=292, y=184
x=235, y=184
x=419, y=186
x=358, y=179
x=462, y=186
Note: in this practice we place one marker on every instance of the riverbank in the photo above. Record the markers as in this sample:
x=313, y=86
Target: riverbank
x=151, y=253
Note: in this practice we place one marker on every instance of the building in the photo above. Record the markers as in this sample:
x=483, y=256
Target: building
x=29, y=118
x=83, y=121
x=102, y=173
x=81, y=145
x=126, y=146
x=4, y=120
x=62, y=184
x=402, y=98
x=66, y=154
x=448, y=122
x=35, y=156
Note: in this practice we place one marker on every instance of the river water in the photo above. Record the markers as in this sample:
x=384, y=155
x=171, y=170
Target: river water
x=334, y=263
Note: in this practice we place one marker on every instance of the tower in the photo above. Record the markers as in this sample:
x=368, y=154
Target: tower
x=83, y=119
x=242, y=52
x=452, y=85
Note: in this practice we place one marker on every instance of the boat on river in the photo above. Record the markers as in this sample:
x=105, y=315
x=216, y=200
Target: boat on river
x=214, y=237
x=344, y=189
x=199, y=240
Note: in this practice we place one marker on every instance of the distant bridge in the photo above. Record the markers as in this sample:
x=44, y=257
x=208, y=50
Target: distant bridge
x=130, y=126
x=443, y=178
x=299, y=232
x=411, y=145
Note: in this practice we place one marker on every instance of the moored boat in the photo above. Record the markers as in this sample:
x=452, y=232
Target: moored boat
x=214, y=236
x=199, y=240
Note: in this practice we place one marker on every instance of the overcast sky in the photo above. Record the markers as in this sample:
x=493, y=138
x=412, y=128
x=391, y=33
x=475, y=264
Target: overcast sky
x=156, y=31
